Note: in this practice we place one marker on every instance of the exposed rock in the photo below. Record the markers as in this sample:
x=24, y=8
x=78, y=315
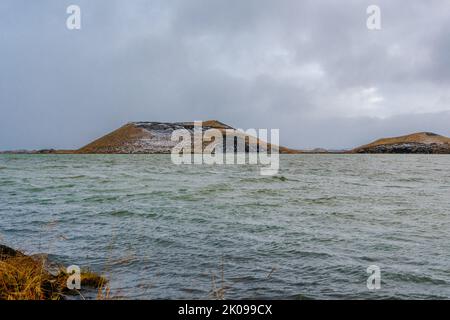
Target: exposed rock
x=317, y=150
x=46, y=151
x=424, y=142
x=155, y=137
x=7, y=252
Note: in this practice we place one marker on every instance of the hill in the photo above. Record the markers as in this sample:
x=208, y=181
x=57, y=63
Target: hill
x=422, y=142
x=155, y=137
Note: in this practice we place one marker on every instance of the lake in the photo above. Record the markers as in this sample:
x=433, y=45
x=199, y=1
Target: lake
x=162, y=231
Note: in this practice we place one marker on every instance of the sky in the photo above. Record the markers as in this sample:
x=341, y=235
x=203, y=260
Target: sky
x=309, y=68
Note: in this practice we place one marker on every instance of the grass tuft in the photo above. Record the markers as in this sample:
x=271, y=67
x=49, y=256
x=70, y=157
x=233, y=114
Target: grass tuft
x=26, y=278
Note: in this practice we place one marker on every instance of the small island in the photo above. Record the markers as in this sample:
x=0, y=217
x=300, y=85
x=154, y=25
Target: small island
x=147, y=137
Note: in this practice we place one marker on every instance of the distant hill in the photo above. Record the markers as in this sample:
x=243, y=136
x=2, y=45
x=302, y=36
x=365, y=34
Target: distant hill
x=423, y=142
x=155, y=137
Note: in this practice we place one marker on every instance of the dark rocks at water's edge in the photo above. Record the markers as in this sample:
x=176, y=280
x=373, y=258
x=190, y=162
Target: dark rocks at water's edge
x=417, y=143
x=405, y=148
x=41, y=151
x=7, y=252
x=10, y=253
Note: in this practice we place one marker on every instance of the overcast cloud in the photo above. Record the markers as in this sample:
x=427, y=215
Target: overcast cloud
x=310, y=68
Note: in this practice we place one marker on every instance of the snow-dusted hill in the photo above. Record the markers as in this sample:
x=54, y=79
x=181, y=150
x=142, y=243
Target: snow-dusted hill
x=155, y=137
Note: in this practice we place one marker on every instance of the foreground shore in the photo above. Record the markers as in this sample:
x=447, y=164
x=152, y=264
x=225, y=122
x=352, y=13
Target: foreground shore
x=24, y=277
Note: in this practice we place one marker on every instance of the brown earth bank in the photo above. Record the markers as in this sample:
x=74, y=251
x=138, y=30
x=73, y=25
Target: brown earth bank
x=155, y=138
x=25, y=277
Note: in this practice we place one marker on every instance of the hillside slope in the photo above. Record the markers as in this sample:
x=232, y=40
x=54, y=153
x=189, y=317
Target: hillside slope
x=155, y=137
x=423, y=142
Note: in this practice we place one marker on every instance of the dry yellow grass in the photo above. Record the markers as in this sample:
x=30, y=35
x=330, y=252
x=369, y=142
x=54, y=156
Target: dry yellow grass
x=26, y=278
x=22, y=278
x=114, y=140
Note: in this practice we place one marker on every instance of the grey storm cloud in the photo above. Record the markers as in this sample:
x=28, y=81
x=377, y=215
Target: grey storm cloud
x=310, y=68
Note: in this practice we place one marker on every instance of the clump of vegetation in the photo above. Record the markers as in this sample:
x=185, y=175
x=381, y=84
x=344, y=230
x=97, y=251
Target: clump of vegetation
x=27, y=278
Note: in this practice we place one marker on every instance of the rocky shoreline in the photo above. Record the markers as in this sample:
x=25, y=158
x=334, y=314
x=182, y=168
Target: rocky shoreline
x=404, y=148
x=417, y=143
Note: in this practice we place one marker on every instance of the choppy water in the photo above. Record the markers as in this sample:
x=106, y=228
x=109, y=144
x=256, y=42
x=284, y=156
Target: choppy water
x=161, y=231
